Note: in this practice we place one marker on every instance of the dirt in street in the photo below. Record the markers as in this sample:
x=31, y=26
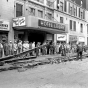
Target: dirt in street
x=64, y=75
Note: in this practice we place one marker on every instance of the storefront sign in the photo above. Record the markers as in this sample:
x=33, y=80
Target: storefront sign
x=81, y=39
x=72, y=38
x=52, y=25
x=61, y=37
x=4, y=25
x=19, y=21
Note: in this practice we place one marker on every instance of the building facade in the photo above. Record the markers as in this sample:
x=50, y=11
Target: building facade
x=37, y=23
x=41, y=20
x=74, y=15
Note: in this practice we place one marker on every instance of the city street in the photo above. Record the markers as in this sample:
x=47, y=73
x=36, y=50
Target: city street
x=72, y=74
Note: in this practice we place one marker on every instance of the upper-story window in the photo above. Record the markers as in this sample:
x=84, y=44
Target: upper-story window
x=49, y=16
x=41, y=1
x=32, y=11
x=61, y=6
x=79, y=12
x=83, y=14
x=81, y=28
x=71, y=10
x=65, y=6
x=61, y=20
x=76, y=11
x=87, y=28
x=74, y=25
x=19, y=9
x=40, y=13
x=50, y=3
x=71, y=25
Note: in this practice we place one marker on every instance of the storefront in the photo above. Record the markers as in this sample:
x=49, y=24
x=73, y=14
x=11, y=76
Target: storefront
x=61, y=38
x=73, y=39
x=35, y=29
x=4, y=29
x=81, y=39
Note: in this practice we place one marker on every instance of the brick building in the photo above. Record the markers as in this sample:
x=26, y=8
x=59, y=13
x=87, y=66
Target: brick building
x=41, y=20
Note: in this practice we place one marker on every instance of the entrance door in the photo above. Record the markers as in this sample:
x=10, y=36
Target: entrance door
x=36, y=36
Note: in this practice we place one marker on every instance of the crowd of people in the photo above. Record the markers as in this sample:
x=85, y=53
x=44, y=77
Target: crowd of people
x=50, y=48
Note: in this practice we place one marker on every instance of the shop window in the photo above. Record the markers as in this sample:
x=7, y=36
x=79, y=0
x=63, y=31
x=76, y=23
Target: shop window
x=74, y=25
x=32, y=11
x=19, y=10
x=61, y=19
x=61, y=6
x=81, y=28
x=65, y=6
x=40, y=13
x=71, y=25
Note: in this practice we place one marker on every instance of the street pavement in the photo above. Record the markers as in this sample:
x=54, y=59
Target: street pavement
x=72, y=74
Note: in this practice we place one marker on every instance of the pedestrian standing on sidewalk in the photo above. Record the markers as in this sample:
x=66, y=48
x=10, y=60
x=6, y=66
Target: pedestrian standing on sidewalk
x=1, y=49
x=15, y=47
x=11, y=48
x=63, y=50
x=79, y=51
x=20, y=46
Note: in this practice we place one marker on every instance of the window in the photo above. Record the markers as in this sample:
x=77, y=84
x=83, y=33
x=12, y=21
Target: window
x=41, y=1
x=65, y=6
x=32, y=11
x=50, y=3
x=74, y=25
x=83, y=14
x=71, y=10
x=76, y=11
x=81, y=28
x=87, y=28
x=19, y=10
x=79, y=12
x=70, y=24
x=61, y=19
x=61, y=6
x=58, y=4
x=49, y=16
x=40, y=13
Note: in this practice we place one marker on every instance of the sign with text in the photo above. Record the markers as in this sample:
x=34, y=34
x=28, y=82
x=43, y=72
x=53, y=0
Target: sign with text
x=4, y=25
x=61, y=37
x=73, y=38
x=52, y=25
x=19, y=21
x=81, y=39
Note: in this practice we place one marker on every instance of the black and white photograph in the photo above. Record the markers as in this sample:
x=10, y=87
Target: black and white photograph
x=43, y=43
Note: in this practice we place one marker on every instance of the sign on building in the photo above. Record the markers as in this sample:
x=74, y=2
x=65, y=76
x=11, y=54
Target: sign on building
x=19, y=21
x=47, y=24
x=61, y=37
x=4, y=25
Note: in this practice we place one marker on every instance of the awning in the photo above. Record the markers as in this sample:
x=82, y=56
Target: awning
x=35, y=23
x=52, y=31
